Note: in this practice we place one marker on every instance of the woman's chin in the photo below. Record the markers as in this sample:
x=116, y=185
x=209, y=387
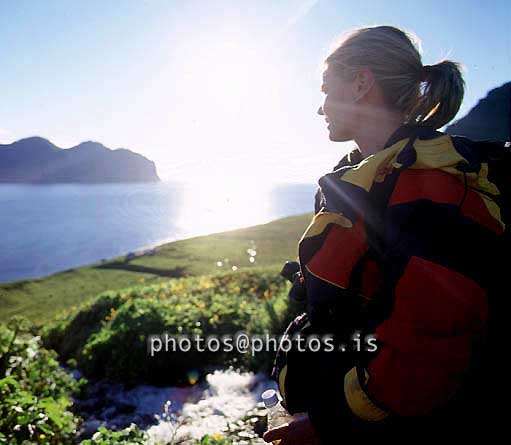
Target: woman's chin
x=339, y=133
x=336, y=136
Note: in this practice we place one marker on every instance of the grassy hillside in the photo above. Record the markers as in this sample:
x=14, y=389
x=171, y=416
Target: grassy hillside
x=40, y=299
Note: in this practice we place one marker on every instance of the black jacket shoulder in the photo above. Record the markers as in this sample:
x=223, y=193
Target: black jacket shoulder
x=351, y=158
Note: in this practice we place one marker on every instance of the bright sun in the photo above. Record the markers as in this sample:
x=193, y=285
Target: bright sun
x=233, y=77
x=228, y=104
x=229, y=83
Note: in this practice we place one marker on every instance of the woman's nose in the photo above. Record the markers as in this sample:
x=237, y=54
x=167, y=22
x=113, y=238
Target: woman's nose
x=320, y=111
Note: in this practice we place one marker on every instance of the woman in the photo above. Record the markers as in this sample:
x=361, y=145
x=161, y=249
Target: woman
x=402, y=249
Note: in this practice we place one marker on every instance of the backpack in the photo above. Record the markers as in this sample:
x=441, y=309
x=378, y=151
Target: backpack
x=481, y=385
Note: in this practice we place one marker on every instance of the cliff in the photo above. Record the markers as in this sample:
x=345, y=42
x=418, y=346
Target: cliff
x=37, y=160
x=489, y=119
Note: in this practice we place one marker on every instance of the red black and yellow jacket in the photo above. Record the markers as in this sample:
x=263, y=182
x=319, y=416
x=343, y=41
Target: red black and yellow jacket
x=404, y=246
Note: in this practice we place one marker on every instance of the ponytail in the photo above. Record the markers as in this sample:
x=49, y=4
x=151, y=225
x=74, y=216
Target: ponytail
x=442, y=96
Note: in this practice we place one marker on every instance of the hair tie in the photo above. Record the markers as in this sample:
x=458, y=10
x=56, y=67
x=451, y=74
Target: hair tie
x=426, y=70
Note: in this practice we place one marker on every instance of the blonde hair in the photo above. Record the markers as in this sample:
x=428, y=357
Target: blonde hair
x=428, y=95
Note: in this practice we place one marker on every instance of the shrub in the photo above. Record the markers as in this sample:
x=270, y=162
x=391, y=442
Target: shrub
x=128, y=436
x=70, y=333
x=112, y=341
x=34, y=390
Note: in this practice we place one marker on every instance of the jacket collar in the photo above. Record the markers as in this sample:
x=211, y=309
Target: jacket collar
x=409, y=130
x=402, y=132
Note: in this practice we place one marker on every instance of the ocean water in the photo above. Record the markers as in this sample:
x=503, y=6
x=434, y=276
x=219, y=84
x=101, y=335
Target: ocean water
x=49, y=228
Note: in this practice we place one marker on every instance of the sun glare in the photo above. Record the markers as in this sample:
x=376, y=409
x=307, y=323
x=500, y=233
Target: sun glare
x=227, y=86
x=223, y=205
x=225, y=122
x=233, y=77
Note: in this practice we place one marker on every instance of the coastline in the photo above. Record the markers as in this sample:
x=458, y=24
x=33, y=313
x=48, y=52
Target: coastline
x=56, y=228
x=40, y=299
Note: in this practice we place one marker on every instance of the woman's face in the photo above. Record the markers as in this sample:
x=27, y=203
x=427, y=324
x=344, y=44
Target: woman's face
x=339, y=107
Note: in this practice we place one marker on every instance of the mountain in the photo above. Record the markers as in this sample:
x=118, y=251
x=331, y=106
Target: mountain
x=37, y=160
x=489, y=119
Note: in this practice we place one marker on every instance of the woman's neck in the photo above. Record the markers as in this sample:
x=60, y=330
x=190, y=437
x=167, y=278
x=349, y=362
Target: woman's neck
x=373, y=136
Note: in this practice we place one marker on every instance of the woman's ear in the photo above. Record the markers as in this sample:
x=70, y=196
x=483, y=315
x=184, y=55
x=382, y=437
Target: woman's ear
x=364, y=81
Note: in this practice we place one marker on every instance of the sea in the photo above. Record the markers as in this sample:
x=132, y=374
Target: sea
x=54, y=227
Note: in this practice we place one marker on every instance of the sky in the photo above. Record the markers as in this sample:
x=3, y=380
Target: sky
x=214, y=90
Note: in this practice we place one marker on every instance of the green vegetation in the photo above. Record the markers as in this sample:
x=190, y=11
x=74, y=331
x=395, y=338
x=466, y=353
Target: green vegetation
x=34, y=391
x=40, y=299
x=128, y=436
x=134, y=436
x=108, y=337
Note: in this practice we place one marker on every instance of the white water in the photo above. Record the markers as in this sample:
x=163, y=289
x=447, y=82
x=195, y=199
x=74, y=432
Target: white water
x=182, y=413
x=228, y=397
